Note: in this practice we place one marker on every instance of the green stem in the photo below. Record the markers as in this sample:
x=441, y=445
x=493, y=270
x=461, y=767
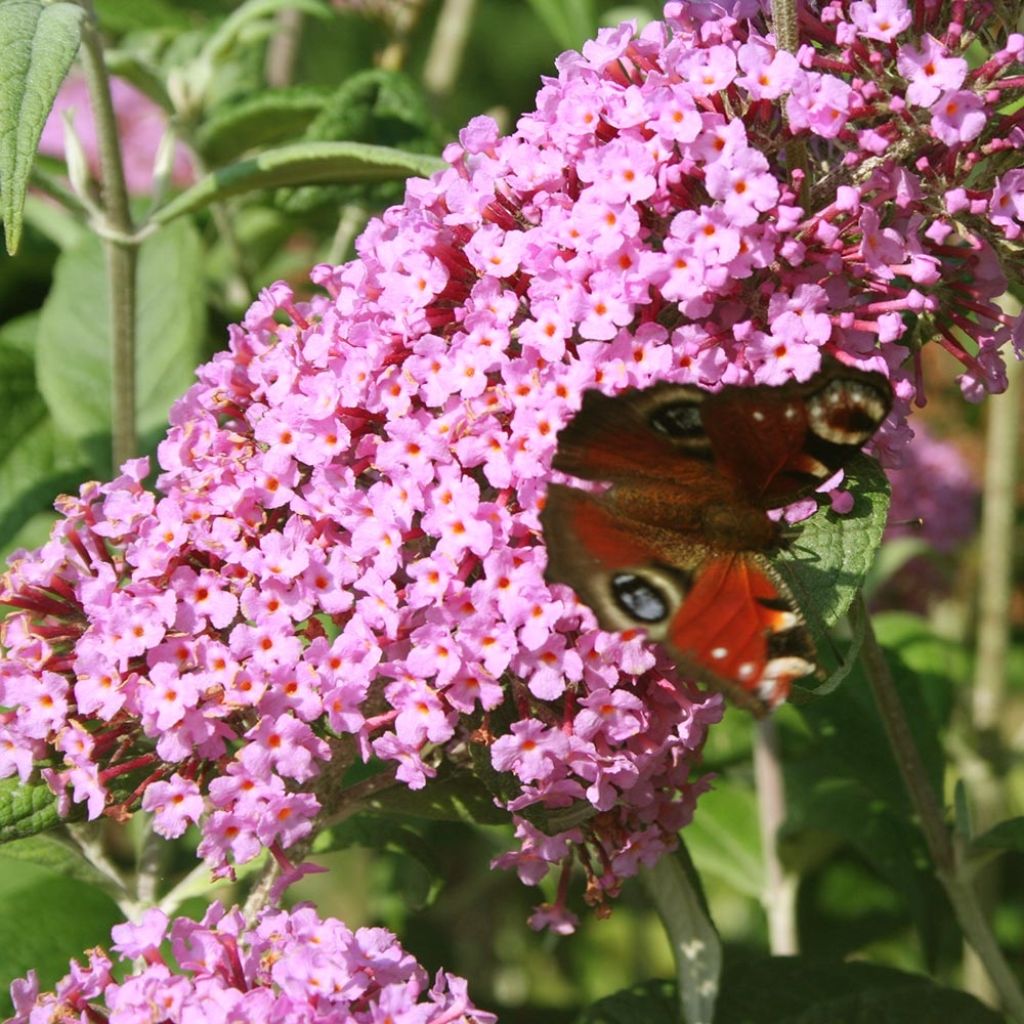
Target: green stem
x=122, y=254
x=786, y=28
x=973, y=921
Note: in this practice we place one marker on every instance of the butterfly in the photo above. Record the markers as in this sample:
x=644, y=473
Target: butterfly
x=679, y=543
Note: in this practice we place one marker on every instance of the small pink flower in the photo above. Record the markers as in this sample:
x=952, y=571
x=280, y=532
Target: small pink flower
x=880, y=19
x=958, y=115
x=175, y=804
x=930, y=71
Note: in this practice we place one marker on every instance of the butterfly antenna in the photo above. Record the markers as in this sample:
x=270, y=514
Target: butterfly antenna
x=914, y=524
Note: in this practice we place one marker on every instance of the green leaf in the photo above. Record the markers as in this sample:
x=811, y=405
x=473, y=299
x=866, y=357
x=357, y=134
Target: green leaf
x=843, y=781
x=653, y=1002
x=38, y=44
x=386, y=835
x=724, y=838
x=450, y=797
x=571, y=22
x=26, y=810
x=938, y=664
x=301, y=163
x=56, y=855
x=674, y=889
x=147, y=79
x=375, y=107
x=801, y=990
x=35, y=464
x=827, y=563
x=259, y=121
x=47, y=919
x=1007, y=835
x=117, y=16
x=73, y=354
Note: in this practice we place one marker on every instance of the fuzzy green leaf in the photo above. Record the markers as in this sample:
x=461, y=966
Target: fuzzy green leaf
x=267, y=119
x=38, y=44
x=30, y=809
x=827, y=563
x=301, y=163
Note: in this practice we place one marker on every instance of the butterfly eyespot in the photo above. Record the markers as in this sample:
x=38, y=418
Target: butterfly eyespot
x=639, y=598
x=679, y=420
x=847, y=412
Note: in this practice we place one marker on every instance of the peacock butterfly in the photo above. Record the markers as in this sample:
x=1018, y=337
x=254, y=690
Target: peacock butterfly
x=678, y=544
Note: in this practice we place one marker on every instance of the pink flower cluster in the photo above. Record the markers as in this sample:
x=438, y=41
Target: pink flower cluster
x=292, y=967
x=344, y=548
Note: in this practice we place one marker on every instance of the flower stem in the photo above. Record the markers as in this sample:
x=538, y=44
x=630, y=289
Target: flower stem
x=975, y=924
x=122, y=254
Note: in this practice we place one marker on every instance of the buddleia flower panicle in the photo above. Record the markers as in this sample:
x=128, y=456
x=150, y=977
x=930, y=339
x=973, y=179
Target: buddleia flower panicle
x=343, y=552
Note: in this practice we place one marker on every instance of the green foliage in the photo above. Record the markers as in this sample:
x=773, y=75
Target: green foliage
x=49, y=916
x=828, y=561
x=300, y=163
x=38, y=43
x=73, y=352
x=26, y=810
x=379, y=106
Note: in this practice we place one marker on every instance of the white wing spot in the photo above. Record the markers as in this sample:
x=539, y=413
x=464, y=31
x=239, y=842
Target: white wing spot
x=757, y=416
x=790, y=412
x=746, y=670
x=718, y=653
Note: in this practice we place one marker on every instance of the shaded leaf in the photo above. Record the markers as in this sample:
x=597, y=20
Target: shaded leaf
x=653, y=1002
x=452, y=796
x=1007, y=835
x=724, y=837
x=375, y=107
x=571, y=22
x=35, y=463
x=56, y=855
x=48, y=918
x=800, y=990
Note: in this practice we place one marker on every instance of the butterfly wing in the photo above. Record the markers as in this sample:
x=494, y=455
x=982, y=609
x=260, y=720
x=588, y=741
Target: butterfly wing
x=777, y=443
x=725, y=618
x=676, y=545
